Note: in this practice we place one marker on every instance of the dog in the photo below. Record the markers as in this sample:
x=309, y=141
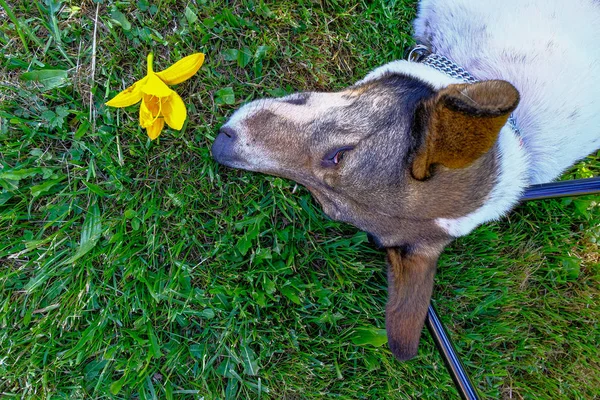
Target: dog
x=416, y=157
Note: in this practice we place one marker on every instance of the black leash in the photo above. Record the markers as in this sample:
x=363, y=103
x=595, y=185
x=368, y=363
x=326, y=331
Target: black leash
x=552, y=190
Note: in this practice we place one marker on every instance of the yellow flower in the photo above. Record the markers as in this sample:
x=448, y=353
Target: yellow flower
x=160, y=104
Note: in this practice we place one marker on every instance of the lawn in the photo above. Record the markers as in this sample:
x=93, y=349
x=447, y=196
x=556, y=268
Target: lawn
x=139, y=269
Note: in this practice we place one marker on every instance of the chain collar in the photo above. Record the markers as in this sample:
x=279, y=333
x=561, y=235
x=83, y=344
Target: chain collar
x=423, y=55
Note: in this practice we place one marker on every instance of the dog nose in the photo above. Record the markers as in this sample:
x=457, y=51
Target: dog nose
x=228, y=132
x=222, y=148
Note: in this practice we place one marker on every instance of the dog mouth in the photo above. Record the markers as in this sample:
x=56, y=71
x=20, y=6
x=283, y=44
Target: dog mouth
x=329, y=206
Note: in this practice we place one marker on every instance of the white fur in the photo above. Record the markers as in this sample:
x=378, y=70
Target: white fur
x=548, y=49
x=434, y=77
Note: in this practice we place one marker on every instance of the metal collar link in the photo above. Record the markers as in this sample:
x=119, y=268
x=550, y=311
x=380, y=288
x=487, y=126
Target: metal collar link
x=423, y=55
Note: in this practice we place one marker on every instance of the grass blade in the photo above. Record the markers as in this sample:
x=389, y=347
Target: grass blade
x=16, y=22
x=90, y=233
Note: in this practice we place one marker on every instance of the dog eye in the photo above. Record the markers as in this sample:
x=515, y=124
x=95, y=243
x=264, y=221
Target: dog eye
x=334, y=157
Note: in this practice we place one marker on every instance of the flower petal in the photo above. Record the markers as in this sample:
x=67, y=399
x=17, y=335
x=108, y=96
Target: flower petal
x=182, y=70
x=129, y=96
x=147, y=118
x=174, y=111
x=155, y=87
x=156, y=128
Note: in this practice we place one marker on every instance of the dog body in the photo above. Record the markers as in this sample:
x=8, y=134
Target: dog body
x=417, y=158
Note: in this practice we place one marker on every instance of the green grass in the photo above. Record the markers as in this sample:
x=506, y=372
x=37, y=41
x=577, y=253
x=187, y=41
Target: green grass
x=137, y=269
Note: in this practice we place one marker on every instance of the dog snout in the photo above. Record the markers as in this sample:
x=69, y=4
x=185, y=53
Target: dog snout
x=223, y=150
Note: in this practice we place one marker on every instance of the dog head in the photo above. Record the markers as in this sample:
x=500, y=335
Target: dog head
x=393, y=155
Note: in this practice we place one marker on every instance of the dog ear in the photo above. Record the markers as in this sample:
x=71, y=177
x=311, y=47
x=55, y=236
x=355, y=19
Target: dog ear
x=462, y=122
x=410, y=283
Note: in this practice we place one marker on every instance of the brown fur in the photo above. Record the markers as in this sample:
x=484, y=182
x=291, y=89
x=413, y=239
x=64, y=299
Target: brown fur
x=410, y=283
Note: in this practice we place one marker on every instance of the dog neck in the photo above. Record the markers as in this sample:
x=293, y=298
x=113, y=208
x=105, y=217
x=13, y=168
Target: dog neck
x=511, y=181
x=511, y=175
